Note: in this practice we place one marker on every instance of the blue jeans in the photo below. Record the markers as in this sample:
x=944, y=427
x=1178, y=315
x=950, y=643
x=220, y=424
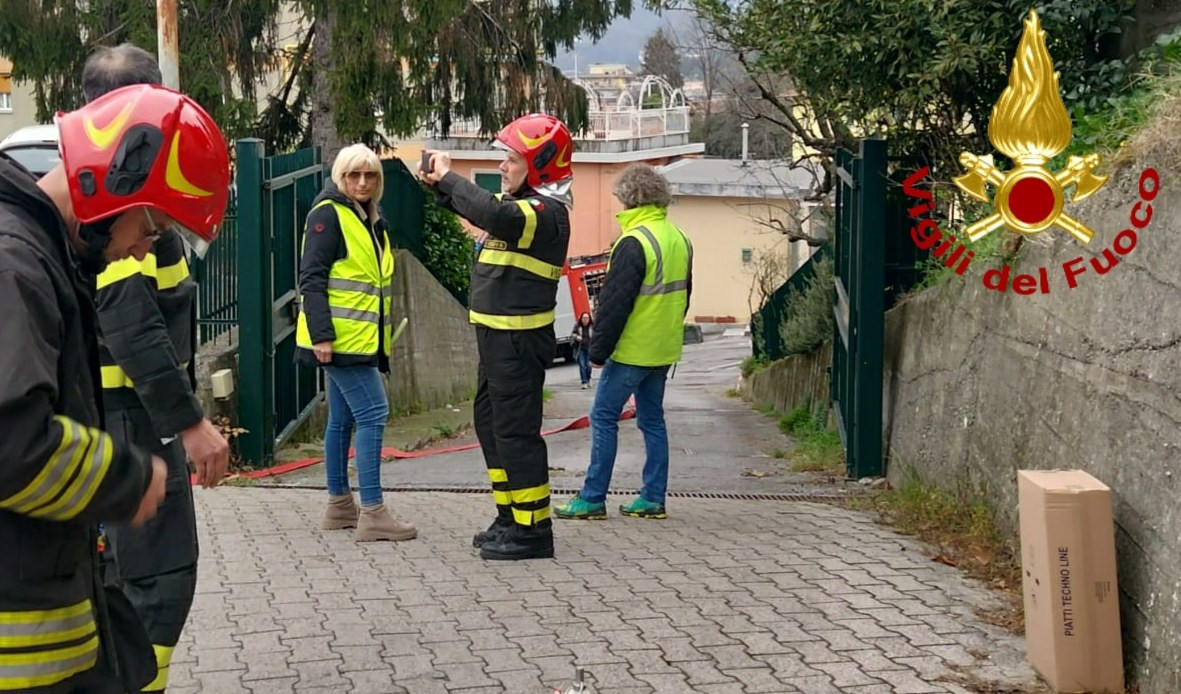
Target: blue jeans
x=584, y=369
x=355, y=396
x=617, y=382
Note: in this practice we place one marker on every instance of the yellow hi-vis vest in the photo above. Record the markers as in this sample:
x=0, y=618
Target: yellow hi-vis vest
x=655, y=330
x=358, y=290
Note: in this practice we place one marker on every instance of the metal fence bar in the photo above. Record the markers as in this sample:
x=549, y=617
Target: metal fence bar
x=254, y=308
x=217, y=281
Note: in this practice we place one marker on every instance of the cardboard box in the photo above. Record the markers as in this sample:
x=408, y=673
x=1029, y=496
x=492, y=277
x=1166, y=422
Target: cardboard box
x=1072, y=626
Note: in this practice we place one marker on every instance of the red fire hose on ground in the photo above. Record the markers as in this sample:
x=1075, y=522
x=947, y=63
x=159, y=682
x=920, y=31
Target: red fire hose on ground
x=398, y=454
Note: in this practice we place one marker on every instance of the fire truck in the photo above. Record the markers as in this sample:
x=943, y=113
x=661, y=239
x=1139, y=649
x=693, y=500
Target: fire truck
x=578, y=292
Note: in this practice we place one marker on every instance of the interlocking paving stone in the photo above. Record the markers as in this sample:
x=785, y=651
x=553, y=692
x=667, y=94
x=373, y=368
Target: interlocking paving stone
x=724, y=597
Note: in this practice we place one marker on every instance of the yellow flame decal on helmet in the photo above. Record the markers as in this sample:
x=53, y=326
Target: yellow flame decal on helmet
x=104, y=137
x=174, y=177
x=563, y=159
x=532, y=142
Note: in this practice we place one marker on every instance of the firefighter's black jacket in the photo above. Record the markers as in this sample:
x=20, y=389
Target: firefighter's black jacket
x=59, y=473
x=526, y=223
x=145, y=310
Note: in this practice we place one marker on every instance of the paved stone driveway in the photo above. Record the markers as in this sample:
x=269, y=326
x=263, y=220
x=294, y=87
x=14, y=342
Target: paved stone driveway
x=722, y=598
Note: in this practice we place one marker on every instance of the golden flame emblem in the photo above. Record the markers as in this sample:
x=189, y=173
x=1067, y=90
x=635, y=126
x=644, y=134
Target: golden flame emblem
x=1030, y=125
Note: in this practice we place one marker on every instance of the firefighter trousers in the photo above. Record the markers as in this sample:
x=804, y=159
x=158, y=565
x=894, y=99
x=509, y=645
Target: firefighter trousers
x=155, y=565
x=507, y=416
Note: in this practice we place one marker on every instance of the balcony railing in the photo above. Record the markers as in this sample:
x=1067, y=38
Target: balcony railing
x=610, y=125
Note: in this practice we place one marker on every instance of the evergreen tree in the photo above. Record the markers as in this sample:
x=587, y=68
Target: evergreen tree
x=662, y=59
x=359, y=67
x=223, y=48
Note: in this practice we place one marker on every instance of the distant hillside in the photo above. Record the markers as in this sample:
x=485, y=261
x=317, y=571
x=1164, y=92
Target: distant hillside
x=623, y=43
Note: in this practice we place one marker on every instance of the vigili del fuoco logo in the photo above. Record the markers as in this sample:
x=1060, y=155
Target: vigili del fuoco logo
x=1030, y=125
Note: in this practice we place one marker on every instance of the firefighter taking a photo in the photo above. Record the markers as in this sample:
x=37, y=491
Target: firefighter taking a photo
x=513, y=298
x=134, y=163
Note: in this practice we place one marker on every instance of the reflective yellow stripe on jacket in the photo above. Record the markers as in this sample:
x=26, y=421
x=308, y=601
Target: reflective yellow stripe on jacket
x=116, y=377
x=53, y=646
x=537, y=320
x=71, y=477
x=166, y=277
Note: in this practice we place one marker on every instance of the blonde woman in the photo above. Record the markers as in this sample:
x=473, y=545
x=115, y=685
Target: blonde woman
x=344, y=328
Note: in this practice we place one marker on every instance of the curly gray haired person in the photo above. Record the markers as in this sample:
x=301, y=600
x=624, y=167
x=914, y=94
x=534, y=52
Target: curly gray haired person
x=641, y=184
x=639, y=332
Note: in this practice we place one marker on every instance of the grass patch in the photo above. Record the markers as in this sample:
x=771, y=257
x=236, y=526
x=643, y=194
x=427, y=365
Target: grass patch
x=767, y=410
x=733, y=393
x=960, y=524
x=751, y=364
x=546, y=394
x=818, y=448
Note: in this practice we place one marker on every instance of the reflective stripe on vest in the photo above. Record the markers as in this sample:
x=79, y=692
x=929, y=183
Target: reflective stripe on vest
x=659, y=286
x=654, y=332
x=358, y=291
x=42, y=637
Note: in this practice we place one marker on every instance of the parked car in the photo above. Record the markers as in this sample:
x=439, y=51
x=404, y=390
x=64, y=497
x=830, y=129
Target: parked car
x=33, y=147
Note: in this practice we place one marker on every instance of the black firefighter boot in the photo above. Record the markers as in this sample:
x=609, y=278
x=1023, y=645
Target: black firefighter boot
x=504, y=521
x=522, y=542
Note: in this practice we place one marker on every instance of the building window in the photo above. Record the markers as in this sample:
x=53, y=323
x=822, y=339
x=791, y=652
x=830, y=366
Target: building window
x=745, y=255
x=6, y=89
x=488, y=181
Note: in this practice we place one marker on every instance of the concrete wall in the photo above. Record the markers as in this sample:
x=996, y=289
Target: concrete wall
x=719, y=229
x=791, y=382
x=434, y=362
x=980, y=384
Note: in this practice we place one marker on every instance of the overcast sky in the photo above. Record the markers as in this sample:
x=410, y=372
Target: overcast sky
x=623, y=42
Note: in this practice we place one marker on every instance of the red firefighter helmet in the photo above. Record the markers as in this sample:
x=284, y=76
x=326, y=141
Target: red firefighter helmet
x=544, y=142
x=147, y=145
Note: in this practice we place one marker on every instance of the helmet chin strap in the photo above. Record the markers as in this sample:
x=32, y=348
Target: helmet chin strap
x=95, y=237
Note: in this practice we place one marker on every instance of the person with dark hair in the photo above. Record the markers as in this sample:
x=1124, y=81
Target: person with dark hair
x=583, y=331
x=149, y=401
x=109, y=68
x=640, y=330
x=61, y=472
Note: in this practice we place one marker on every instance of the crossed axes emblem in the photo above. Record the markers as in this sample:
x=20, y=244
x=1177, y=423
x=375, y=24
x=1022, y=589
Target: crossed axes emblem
x=1036, y=189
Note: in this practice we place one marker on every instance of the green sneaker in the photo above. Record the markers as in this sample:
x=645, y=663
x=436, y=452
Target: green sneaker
x=581, y=509
x=642, y=508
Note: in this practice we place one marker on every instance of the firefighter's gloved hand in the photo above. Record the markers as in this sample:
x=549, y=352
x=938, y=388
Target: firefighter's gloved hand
x=209, y=451
x=154, y=494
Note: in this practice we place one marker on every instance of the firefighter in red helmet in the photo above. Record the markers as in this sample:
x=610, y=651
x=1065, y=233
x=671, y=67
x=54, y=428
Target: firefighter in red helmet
x=134, y=163
x=513, y=295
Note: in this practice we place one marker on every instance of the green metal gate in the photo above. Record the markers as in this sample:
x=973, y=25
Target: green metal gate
x=876, y=263
x=858, y=306
x=275, y=195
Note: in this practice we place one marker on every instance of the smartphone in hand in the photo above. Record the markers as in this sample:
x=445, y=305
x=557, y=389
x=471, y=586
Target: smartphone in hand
x=426, y=162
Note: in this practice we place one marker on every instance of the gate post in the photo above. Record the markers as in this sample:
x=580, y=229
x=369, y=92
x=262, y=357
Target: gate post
x=254, y=308
x=869, y=300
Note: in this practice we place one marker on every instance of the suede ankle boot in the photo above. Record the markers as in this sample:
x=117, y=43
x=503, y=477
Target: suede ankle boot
x=376, y=523
x=341, y=513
